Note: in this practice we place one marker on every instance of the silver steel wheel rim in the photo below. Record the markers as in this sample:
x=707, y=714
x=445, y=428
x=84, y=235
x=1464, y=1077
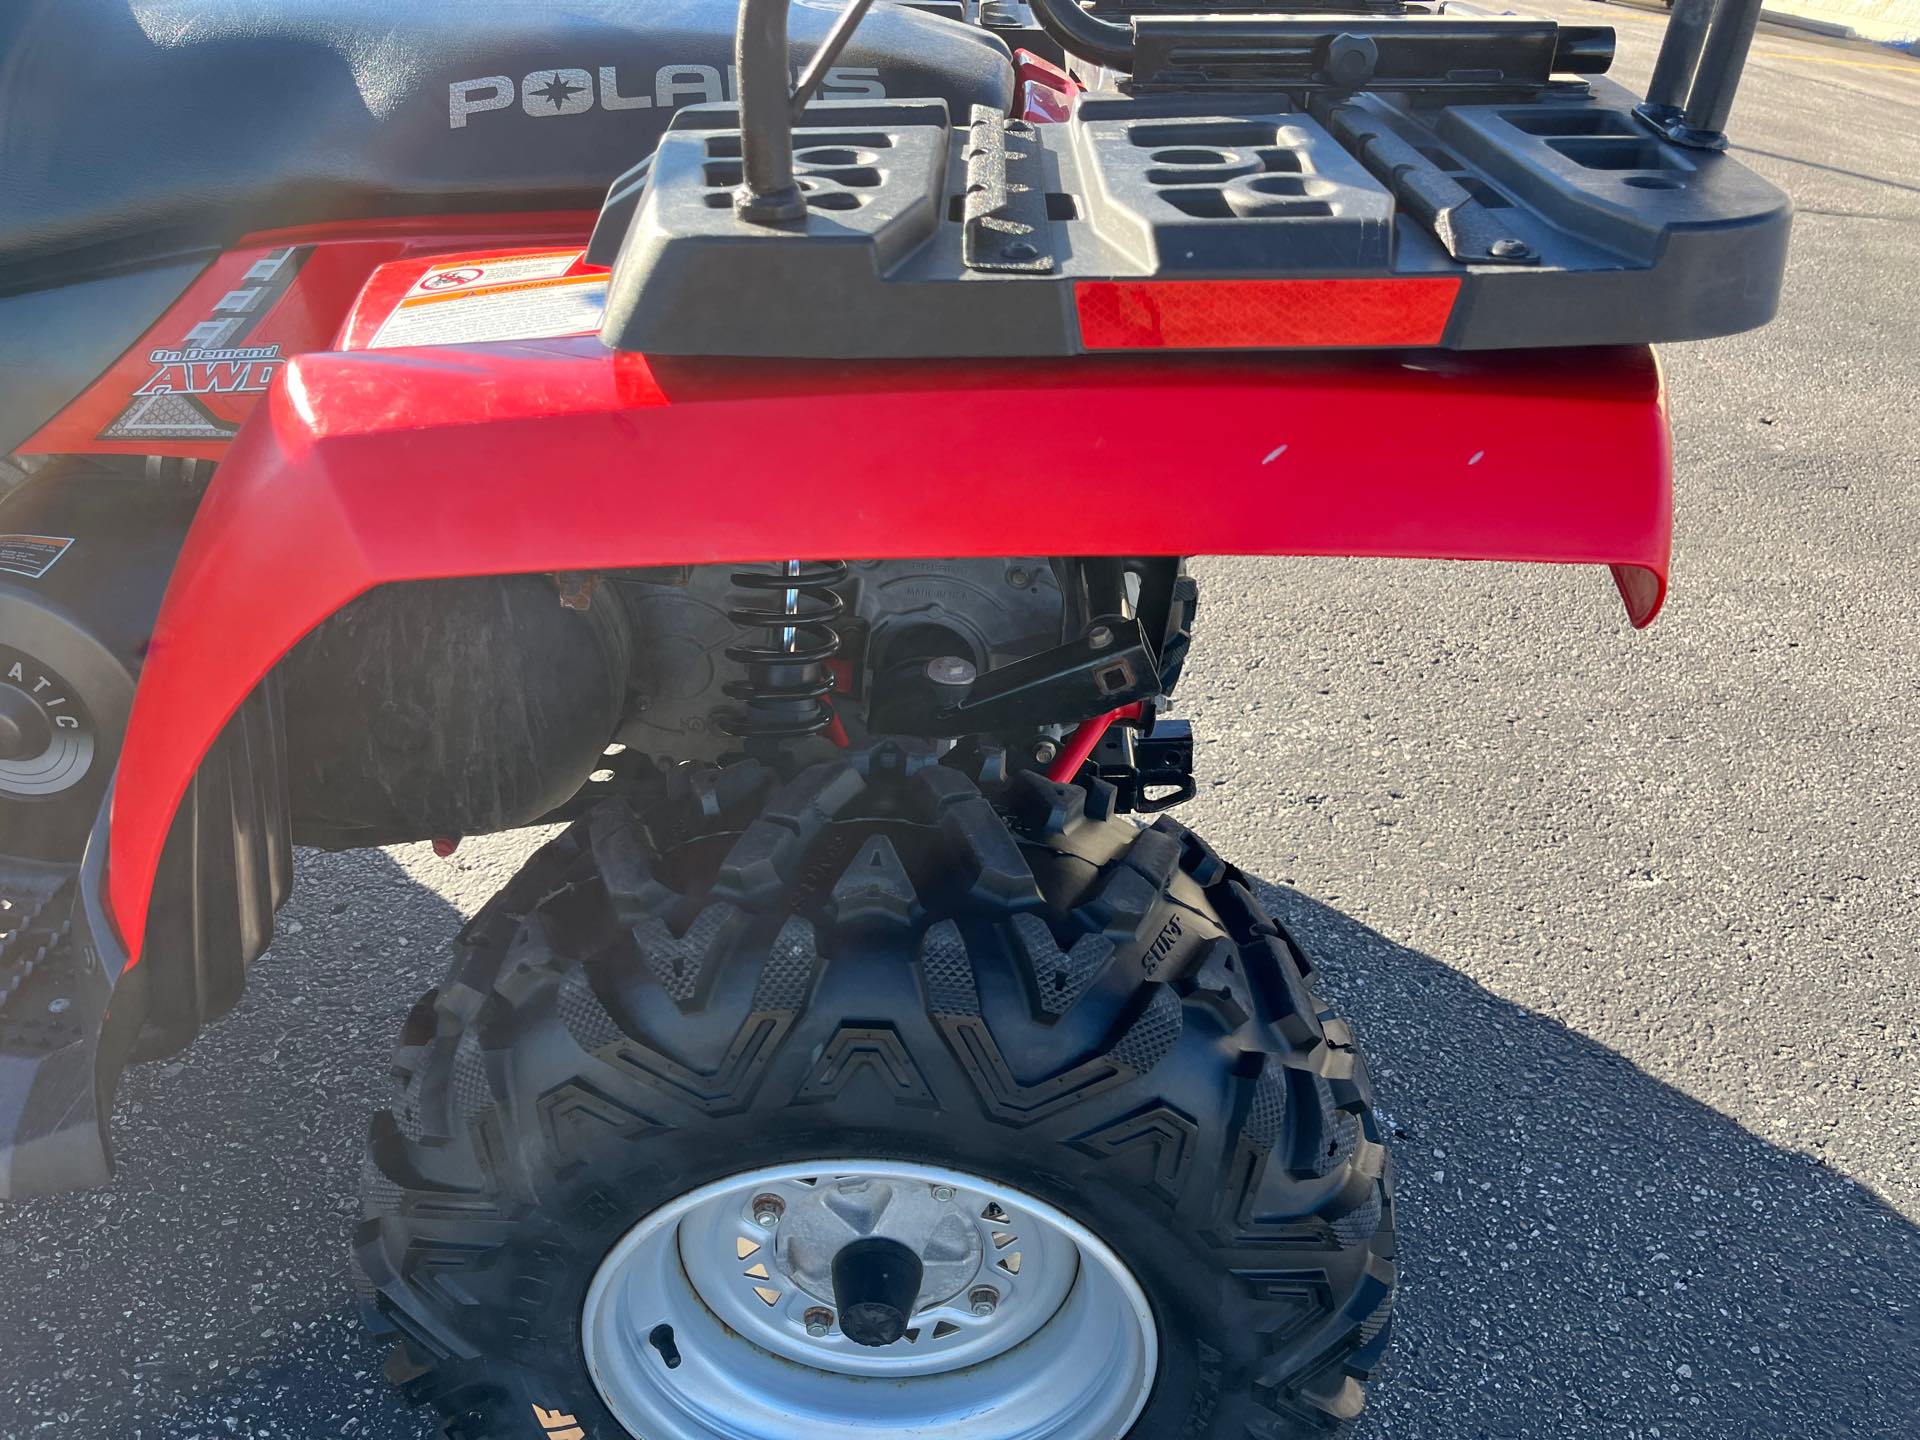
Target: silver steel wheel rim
x=1065, y=1349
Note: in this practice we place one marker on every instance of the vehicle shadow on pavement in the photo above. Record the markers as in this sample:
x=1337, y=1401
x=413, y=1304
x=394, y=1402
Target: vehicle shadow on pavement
x=1839, y=170
x=1586, y=1251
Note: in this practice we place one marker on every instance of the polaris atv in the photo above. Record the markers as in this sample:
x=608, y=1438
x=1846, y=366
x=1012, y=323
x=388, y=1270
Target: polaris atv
x=768, y=458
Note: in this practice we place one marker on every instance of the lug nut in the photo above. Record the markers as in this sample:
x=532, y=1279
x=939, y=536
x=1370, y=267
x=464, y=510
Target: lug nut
x=819, y=1323
x=767, y=1210
x=984, y=1300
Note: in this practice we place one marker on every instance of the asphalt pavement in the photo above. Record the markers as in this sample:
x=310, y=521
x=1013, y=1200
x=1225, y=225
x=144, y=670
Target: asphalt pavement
x=1629, y=922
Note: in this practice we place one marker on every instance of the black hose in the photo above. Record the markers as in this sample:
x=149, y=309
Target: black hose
x=1087, y=36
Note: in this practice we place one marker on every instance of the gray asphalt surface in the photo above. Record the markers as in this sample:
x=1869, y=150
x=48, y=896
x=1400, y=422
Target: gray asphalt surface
x=1627, y=922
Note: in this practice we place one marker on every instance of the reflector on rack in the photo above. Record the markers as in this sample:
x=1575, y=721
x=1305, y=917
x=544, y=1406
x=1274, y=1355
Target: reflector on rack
x=1263, y=314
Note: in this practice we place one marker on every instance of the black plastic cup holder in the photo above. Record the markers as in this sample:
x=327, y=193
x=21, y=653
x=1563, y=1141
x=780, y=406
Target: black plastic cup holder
x=1271, y=207
x=1274, y=196
x=1195, y=155
x=1642, y=152
x=834, y=155
x=1200, y=174
x=1196, y=165
x=1291, y=186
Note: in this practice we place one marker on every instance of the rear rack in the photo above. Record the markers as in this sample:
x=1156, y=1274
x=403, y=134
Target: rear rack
x=1380, y=175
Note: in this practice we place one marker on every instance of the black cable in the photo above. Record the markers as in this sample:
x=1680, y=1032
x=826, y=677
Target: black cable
x=1087, y=36
x=828, y=52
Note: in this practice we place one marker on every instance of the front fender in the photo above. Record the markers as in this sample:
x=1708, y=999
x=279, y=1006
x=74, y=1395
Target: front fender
x=365, y=468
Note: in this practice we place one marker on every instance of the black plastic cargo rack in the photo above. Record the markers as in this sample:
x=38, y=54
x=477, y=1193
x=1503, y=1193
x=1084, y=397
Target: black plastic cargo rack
x=1380, y=175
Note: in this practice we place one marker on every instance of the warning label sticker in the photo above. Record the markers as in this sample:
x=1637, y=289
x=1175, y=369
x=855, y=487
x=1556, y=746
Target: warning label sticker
x=515, y=297
x=31, y=555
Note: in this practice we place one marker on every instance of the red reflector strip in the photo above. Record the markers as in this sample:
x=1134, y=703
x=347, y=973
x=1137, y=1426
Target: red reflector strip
x=1276, y=314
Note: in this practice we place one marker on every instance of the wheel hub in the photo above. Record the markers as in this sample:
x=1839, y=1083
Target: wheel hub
x=763, y=1261
x=873, y=1298
x=24, y=728
x=927, y=1220
x=46, y=736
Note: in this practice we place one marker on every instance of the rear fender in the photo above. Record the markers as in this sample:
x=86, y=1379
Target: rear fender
x=360, y=469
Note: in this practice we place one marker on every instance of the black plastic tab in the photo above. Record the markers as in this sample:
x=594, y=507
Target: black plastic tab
x=616, y=215
x=1149, y=772
x=1459, y=219
x=1006, y=208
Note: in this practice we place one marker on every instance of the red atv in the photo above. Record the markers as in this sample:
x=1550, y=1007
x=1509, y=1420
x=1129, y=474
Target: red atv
x=857, y=1060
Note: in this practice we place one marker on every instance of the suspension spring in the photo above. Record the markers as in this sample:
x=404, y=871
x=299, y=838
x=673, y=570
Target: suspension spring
x=788, y=614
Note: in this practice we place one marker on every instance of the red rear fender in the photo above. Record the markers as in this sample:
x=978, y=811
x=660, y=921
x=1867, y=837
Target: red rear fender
x=376, y=466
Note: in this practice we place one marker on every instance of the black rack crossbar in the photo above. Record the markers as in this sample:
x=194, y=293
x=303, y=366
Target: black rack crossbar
x=1431, y=54
x=1691, y=95
x=768, y=193
x=1701, y=59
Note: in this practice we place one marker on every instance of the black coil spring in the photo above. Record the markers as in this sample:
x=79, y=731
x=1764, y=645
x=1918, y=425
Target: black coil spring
x=784, y=693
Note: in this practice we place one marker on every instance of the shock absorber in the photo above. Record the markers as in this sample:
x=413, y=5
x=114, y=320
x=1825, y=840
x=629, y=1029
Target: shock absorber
x=789, y=616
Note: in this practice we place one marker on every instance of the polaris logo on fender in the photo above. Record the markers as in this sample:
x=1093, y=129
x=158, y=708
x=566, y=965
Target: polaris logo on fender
x=546, y=93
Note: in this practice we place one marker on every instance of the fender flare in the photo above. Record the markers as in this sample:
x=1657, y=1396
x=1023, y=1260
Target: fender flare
x=364, y=468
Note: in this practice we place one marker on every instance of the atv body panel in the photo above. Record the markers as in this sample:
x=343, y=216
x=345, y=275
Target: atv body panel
x=371, y=467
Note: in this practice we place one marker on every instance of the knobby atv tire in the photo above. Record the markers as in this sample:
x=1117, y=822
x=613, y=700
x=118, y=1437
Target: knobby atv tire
x=871, y=959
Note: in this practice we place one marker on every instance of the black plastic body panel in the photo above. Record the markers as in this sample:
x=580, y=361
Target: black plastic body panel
x=56, y=342
x=227, y=867
x=80, y=1016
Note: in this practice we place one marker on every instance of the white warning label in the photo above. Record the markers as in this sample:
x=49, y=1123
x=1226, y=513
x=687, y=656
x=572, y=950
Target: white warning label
x=31, y=555
x=514, y=297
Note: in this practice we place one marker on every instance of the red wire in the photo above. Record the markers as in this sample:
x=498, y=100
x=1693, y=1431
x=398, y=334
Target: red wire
x=1081, y=743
